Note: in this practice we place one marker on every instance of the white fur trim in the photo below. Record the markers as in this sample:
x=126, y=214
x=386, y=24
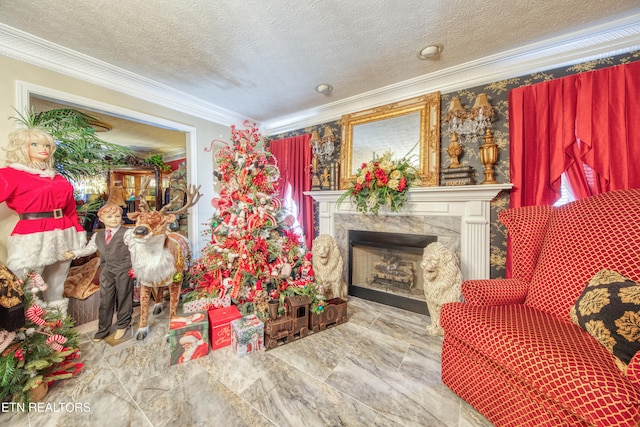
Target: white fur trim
x=153, y=264
x=43, y=248
x=24, y=168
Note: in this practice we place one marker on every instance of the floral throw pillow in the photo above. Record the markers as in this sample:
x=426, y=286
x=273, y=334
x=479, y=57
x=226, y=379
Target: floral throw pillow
x=609, y=310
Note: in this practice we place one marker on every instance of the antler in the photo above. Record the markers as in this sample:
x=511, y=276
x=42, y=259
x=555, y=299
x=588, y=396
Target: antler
x=193, y=195
x=144, y=187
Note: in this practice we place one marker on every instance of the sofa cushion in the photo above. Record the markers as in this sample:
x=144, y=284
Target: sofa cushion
x=609, y=310
x=555, y=357
x=584, y=237
x=526, y=228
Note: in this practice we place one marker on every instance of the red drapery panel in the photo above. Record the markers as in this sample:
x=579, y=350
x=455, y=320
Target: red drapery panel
x=571, y=124
x=542, y=141
x=609, y=135
x=294, y=157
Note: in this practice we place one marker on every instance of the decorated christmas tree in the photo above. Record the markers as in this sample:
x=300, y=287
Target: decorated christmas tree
x=44, y=349
x=254, y=254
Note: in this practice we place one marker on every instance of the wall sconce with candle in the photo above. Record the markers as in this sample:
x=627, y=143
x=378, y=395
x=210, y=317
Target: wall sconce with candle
x=466, y=126
x=322, y=165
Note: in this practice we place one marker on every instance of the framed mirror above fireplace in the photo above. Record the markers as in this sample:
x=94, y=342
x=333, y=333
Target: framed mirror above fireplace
x=410, y=127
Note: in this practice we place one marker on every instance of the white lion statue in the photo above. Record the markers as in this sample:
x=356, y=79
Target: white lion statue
x=442, y=279
x=328, y=265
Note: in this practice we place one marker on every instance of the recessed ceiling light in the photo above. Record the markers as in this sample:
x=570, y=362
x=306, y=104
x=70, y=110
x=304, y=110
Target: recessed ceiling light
x=324, y=88
x=430, y=51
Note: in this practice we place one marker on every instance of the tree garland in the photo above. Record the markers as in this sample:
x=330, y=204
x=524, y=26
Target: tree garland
x=43, y=351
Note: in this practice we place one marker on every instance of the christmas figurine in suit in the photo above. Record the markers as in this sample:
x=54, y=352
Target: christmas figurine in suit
x=116, y=287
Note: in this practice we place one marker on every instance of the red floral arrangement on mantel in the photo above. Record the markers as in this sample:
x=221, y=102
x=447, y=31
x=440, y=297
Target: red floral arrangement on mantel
x=381, y=182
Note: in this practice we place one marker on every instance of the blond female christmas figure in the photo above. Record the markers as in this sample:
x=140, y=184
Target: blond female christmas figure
x=48, y=224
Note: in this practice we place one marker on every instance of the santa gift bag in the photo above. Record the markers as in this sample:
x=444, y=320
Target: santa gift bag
x=188, y=337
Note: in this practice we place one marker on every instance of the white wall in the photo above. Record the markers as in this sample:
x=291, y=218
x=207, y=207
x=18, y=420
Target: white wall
x=16, y=75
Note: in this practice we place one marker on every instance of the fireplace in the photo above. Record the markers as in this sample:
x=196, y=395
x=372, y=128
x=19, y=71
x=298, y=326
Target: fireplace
x=385, y=267
x=459, y=216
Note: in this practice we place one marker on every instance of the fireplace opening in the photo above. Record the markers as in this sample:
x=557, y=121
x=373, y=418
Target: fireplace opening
x=385, y=268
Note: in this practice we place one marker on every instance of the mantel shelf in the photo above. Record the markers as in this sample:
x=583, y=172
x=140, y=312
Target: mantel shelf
x=429, y=194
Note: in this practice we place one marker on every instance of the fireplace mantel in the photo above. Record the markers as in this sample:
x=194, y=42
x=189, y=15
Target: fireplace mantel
x=471, y=203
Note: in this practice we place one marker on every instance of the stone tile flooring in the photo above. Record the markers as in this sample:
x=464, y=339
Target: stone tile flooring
x=380, y=368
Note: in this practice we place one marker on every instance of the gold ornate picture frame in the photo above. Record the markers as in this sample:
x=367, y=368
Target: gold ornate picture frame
x=398, y=127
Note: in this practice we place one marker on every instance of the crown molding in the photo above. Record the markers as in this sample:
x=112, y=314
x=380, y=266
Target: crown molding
x=613, y=38
x=34, y=50
x=610, y=39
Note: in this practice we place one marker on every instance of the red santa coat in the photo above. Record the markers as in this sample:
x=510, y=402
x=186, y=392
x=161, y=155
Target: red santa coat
x=39, y=242
x=200, y=351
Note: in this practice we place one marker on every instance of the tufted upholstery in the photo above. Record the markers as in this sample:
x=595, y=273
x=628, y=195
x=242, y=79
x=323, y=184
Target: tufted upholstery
x=510, y=349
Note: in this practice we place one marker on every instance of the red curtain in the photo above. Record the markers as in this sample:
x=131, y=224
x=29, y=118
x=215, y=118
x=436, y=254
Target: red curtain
x=294, y=157
x=542, y=140
x=609, y=135
x=569, y=125
x=580, y=126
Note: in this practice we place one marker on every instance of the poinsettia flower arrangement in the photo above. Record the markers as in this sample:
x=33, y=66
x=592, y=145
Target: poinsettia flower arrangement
x=382, y=182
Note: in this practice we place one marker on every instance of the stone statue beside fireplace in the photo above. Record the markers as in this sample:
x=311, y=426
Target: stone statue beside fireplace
x=328, y=265
x=442, y=279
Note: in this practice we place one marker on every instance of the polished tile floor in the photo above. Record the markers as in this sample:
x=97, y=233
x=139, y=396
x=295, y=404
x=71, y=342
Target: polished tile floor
x=380, y=368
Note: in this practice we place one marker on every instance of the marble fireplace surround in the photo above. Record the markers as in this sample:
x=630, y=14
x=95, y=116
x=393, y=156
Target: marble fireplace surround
x=459, y=216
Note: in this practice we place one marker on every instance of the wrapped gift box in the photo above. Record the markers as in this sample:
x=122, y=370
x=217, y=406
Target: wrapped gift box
x=188, y=336
x=220, y=325
x=247, y=335
x=204, y=304
x=201, y=304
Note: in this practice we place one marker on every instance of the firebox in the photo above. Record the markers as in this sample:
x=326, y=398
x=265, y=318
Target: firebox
x=385, y=268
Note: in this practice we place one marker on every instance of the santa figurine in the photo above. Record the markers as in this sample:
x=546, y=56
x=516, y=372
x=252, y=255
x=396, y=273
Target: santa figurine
x=193, y=345
x=306, y=269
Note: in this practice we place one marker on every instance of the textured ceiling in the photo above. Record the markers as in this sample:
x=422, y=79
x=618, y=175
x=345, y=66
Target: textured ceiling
x=262, y=59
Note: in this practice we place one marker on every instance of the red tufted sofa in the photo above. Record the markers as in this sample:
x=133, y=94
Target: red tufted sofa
x=510, y=349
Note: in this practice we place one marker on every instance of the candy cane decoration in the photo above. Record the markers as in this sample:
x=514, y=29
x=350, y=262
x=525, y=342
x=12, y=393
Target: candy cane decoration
x=38, y=282
x=55, y=341
x=210, y=147
x=34, y=314
x=277, y=203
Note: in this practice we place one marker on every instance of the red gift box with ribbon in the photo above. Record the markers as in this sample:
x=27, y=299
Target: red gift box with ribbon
x=219, y=325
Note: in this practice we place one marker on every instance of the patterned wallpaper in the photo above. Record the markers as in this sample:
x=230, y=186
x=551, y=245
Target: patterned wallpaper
x=498, y=98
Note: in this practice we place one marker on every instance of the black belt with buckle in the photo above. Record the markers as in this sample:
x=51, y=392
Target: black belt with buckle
x=56, y=213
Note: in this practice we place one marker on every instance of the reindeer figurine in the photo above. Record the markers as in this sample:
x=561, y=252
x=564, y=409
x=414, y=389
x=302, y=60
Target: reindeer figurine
x=159, y=257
